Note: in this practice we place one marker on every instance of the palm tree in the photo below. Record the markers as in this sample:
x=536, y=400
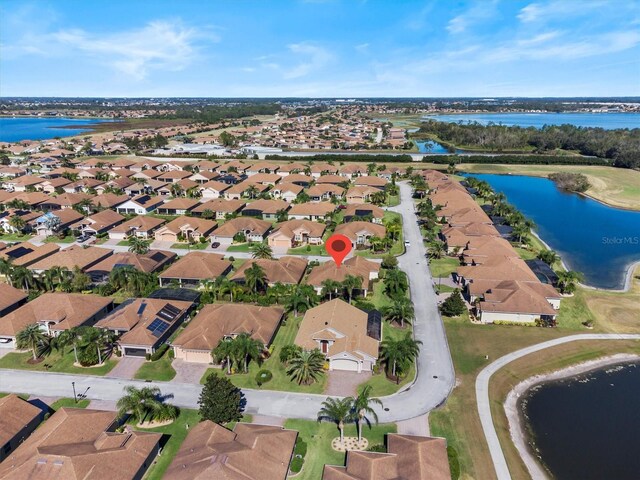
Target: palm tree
x=138, y=245
x=520, y=230
x=261, y=250
x=329, y=288
x=351, y=283
x=246, y=349
x=437, y=249
x=362, y=407
x=224, y=351
x=144, y=403
x=175, y=189
x=17, y=222
x=306, y=366
x=252, y=191
x=69, y=337
x=398, y=354
x=297, y=301
x=255, y=278
x=337, y=410
x=567, y=281
x=6, y=267
x=228, y=286
x=23, y=276
x=119, y=276
x=399, y=311
x=32, y=337
x=395, y=282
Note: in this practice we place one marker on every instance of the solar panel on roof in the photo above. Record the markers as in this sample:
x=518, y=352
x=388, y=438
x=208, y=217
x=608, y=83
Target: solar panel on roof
x=169, y=312
x=19, y=252
x=141, y=308
x=158, y=327
x=158, y=256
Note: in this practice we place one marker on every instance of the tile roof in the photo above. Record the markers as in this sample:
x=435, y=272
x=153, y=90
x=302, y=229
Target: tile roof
x=197, y=266
x=287, y=270
x=15, y=414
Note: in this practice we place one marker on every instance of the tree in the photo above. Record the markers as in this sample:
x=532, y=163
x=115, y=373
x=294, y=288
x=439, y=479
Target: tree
x=17, y=222
x=548, y=256
x=567, y=281
x=437, y=249
x=454, y=305
x=362, y=408
x=351, y=283
x=395, y=283
x=262, y=251
x=22, y=276
x=306, y=366
x=389, y=262
x=287, y=352
x=145, y=404
x=255, y=278
x=138, y=245
x=6, y=267
x=330, y=288
x=300, y=299
x=520, y=231
x=398, y=354
x=33, y=338
x=224, y=352
x=69, y=337
x=220, y=401
x=337, y=410
x=400, y=311
x=245, y=349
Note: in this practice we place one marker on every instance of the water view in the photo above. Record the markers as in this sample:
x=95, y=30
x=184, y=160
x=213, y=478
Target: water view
x=14, y=129
x=607, y=121
x=429, y=146
x=586, y=427
x=592, y=238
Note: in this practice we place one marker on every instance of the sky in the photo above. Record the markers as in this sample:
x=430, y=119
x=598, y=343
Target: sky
x=319, y=48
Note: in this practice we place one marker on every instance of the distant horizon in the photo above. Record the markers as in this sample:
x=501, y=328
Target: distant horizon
x=346, y=97
x=320, y=49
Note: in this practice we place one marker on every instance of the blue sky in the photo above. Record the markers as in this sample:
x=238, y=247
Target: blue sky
x=351, y=48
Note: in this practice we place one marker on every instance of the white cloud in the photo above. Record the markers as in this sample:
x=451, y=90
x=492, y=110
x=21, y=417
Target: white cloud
x=560, y=9
x=362, y=48
x=477, y=13
x=316, y=57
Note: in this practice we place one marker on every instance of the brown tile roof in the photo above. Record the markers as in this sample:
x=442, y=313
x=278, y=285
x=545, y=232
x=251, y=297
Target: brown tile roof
x=65, y=310
x=288, y=228
x=25, y=253
x=198, y=266
x=333, y=179
x=356, y=266
x=363, y=209
x=15, y=414
x=108, y=200
x=409, y=457
x=102, y=220
x=287, y=270
x=179, y=204
x=352, y=229
x=77, y=443
x=337, y=316
x=215, y=185
x=199, y=225
x=149, y=262
x=249, y=452
x=267, y=206
x=220, y=205
x=322, y=189
x=319, y=208
x=72, y=257
x=9, y=296
x=216, y=321
x=510, y=296
x=235, y=225
x=141, y=222
x=371, y=181
x=498, y=268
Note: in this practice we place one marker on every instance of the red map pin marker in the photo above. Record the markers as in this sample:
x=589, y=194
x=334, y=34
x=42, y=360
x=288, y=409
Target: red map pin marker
x=338, y=246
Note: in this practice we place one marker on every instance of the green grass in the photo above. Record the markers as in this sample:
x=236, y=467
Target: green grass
x=574, y=311
x=190, y=246
x=444, y=289
x=308, y=250
x=443, y=267
x=23, y=396
x=280, y=381
x=379, y=298
x=14, y=237
x=69, y=402
x=55, y=362
x=241, y=247
x=56, y=239
x=160, y=370
x=398, y=246
x=124, y=243
x=318, y=437
x=393, y=200
x=177, y=432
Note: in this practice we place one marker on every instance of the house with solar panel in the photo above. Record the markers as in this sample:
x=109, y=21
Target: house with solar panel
x=144, y=324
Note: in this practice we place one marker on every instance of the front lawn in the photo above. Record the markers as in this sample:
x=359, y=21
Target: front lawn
x=56, y=362
x=14, y=237
x=443, y=267
x=318, y=437
x=308, y=250
x=280, y=381
x=56, y=239
x=240, y=247
x=190, y=246
x=69, y=402
x=124, y=243
x=159, y=371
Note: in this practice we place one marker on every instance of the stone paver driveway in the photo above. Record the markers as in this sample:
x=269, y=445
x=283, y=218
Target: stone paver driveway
x=187, y=372
x=126, y=367
x=345, y=384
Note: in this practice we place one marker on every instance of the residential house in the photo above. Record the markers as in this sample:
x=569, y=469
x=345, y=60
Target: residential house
x=363, y=211
x=152, y=261
x=285, y=270
x=26, y=253
x=18, y=420
x=178, y=206
x=108, y=200
x=346, y=335
x=82, y=443
x=140, y=205
x=216, y=322
x=54, y=313
x=141, y=226
x=360, y=194
x=330, y=180
x=322, y=192
x=97, y=223
x=195, y=267
x=300, y=179
x=266, y=209
x=218, y=208
x=75, y=256
x=213, y=189
x=10, y=299
x=360, y=233
x=185, y=229
x=355, y=266
x=286, y=191
x=51, y=223
x=311, y=211
x=245, y=189
x=249, y=452
x=294, y=233
x=143, y=324
x=253, y=230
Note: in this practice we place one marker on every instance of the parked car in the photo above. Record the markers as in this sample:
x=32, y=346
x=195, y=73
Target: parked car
x=215, y=244
x=83, y=238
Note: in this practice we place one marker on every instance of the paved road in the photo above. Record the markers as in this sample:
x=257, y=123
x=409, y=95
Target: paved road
x=482, y=390
x=434, y=381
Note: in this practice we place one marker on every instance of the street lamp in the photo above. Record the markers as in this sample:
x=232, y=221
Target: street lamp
x=75, y=398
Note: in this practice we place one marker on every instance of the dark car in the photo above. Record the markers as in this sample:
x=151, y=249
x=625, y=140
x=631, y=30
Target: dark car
x=215, y=244
x=83, y=238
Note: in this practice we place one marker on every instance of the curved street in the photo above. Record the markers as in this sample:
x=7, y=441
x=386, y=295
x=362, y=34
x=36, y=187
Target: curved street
x=482, y=390
x=434, y=380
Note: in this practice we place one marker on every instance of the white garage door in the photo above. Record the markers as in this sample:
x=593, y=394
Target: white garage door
x=344, y=364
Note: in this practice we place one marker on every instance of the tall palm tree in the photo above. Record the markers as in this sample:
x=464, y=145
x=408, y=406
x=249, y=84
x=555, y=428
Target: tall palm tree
x=296, y=302
x=436, y=249
x=567, y=281
x=24, y=277
x=69, y=337
x=306, y=366
x=337, y=410
x=17, y=222
x=399, y=354
x=224, y=351
x=6, y=267
x=330, y=288
x=138, y=245
x=246, y=349
x=351, y=283
x=33, y=338
x=145, y=404
x=362, y=408
x=400, y=311
x=255, y=278
x=261, y=250
x=395, y=282
x=119, y=277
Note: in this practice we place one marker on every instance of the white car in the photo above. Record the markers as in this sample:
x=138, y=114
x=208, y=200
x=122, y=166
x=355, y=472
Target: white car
x=407, y=243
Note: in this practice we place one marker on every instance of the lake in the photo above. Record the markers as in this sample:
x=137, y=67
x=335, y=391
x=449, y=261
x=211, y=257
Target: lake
x=429, y=146
x=592, y=238
x=586, y=427
x=603, y=120
x=14, y=129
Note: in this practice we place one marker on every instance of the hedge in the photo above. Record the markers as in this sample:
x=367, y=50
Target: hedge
x=345, y=157
x=515, y=159
x=159, y=352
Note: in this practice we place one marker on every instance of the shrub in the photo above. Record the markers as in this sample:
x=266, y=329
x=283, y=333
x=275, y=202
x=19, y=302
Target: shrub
x=88, y=356
x=263, y=376
x=454, y=305
x=147, y=356
x=157, y=355
x=389, y=261
x=515, y=324
x=378, y=448
x=296, y=464
x=117, y=353
x=300, y=448
x=171, y=354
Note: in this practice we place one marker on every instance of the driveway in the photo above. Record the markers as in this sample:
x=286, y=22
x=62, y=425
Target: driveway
x=126, y=367
x=187, y=372
x=345, y=384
